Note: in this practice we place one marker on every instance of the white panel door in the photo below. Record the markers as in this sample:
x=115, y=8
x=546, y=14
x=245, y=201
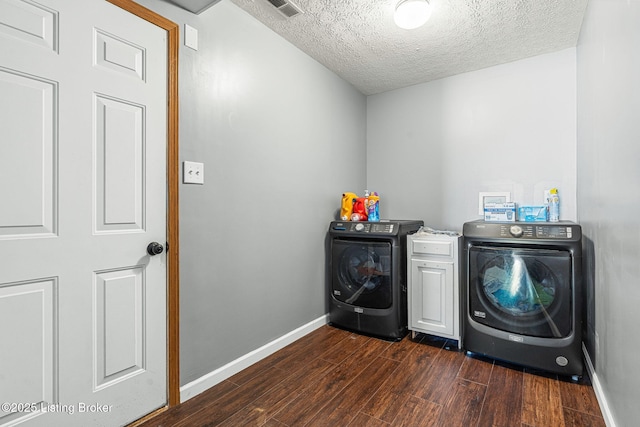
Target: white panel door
x=83, y=137
x=432, y=296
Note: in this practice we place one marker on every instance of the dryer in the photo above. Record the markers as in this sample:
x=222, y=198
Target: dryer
x=523, y=293
x=368, y=283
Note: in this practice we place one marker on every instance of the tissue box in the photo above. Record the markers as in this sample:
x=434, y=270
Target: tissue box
x=505, y=212
x=532, y=213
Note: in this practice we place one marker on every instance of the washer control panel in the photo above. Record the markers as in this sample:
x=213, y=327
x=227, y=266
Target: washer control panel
x=554, y=232
x=523, y=230
x=366, y=227
x=519, y=230
x=537, y=231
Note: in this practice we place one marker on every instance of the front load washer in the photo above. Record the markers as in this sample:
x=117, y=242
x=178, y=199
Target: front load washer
x=368, y=284
x=522, y=293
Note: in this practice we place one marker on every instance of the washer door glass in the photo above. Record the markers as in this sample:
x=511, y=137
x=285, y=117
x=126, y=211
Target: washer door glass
x=526, y=291
x=362, y=273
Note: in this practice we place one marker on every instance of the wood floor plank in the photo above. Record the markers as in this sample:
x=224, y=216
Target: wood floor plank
x=476, y=369
x=270, y=403
x=254, y=370
x=541, y=403
x=282, y=357
x=218, y=411
x=364, y=420
x=263, y=408
x=317, y=395
x=575, y=418
x=386, y=402
x=503, y=401
x=347, y=346
x=418, y=412
x=321, y=345
x=437, y=381
x=344, y=407
x=464, y=405
x=178, y=413
x=400, y=350
x=274, y=423
x=312, y=344
x=579, y=396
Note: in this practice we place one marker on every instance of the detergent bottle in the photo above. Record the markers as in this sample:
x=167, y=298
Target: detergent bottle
x=554, y=205
x=348, y=199
x=373, y=209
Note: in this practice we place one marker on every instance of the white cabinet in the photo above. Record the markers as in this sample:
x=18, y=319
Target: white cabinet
x=433, y=285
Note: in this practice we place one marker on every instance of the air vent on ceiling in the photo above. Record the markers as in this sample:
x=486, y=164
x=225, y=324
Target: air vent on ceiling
x=286, y=7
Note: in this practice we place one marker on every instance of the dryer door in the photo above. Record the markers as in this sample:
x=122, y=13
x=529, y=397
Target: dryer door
x=362, y=273
x=520, y=290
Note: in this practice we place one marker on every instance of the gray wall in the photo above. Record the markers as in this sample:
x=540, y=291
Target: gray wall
x=608, y=69
x=431, y=148
x=281, y=138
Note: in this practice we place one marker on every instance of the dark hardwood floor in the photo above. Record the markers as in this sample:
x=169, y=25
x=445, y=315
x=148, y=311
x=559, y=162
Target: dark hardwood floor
x=335, y=378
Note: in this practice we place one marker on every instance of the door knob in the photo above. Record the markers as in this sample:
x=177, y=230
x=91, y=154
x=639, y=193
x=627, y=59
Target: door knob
x=154, y=248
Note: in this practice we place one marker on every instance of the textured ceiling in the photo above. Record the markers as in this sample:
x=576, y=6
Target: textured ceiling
x=358, y=40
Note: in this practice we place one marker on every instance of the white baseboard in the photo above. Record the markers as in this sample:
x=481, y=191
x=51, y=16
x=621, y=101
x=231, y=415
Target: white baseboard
x=597, y=388
x=207, y=381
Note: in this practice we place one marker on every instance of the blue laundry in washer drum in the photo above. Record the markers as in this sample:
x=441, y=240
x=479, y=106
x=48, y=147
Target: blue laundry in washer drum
x=511, y=288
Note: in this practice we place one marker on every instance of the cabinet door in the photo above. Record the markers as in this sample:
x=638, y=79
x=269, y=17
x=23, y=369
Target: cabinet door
x=431, y=297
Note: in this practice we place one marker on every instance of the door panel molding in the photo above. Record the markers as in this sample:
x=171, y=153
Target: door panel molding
x=30, y=22
x=119, y=55
x=30, y=205
x=32, y=307
x=173, y=174
x=119, y=324
x=120, y=186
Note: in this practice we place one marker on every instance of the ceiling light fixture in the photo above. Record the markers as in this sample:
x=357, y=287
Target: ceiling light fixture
x=412, y=14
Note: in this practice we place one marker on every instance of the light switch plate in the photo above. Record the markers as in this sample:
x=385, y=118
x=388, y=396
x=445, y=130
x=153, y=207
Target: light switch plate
x=190, y=37
x=192, y=173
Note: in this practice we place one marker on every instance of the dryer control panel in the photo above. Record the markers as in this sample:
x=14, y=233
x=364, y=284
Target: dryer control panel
x=537, y=231
x=365, y=227
x=565, y=230
x=554, y=232
x=384, y=228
